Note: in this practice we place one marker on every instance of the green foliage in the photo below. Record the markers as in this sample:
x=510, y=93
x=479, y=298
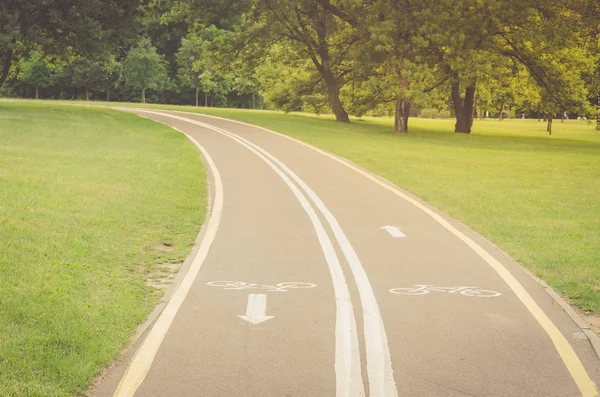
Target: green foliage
x=245, y=85
x=290, y=83
x=111, y=71
x=190, y=53
x=87, y=73
x=341, y=56
x=199, y=14
x=144, y=68
x=199, y=63
x=61, y=26
x=36, y=71
x=318, y=32
x=473, y=43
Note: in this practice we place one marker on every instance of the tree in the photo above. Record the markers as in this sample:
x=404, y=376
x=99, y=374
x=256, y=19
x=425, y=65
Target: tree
x=591, y=33
x=464, y=39
x=526, y=93
x=189, y=54
x=317, y=31
x=10, y=31
x=87, y=74
x=36, y=71
x=290, y=83
x=144, y=68
x=244, y=85
x=199, y=14
x=200, y=65
x=98, y=74
x=111, y=70
x=208, y=80
x=60, y=26
x=388, y=67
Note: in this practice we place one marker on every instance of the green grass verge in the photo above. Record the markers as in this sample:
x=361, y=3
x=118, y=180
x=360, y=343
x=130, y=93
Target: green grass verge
x=88, y=198
x=536, y=196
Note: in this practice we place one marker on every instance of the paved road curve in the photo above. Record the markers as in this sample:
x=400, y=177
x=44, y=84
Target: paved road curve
x=318, y=279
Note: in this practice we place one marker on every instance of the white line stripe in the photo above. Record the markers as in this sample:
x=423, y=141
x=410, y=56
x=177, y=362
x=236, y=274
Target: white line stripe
x=139, y=366
x=379, y=364
x=349, y=381
x=575, y=367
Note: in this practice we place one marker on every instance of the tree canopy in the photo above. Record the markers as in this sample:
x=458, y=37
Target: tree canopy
x=144, y=68
x=467, y=58
x=36, y=71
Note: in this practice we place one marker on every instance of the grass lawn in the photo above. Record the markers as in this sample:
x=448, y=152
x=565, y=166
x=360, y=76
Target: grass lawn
x=91, y=202
x=536, y=196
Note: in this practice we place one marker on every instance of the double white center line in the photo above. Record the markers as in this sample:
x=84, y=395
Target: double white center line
x=347, y=364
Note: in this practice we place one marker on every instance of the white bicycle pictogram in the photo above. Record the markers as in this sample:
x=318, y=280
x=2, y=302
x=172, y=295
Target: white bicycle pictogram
x=280, y=287
x=423, y=289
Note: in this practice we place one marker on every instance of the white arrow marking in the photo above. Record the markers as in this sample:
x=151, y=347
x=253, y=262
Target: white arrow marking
x=394, y=231
x=256, y=309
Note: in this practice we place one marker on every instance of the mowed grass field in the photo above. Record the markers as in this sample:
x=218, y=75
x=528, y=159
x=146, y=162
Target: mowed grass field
x=536, y=196
x=92, y=202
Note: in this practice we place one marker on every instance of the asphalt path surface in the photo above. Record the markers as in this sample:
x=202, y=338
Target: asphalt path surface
x=317, y=278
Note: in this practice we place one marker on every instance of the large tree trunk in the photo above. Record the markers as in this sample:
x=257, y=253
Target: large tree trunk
x=37, y=92
x=107, y=94
x=205, y=100
x=549, y=127
x=501, y=116
x=87, y=94
x=333, y=92
x=143, y=95
x=401, y=115
x=6, y=62
x=253, y=101
x=463, y=108
x=197, y=89
x=322, y=61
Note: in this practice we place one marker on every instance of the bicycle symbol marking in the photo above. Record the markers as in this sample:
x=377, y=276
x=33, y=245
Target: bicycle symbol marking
x=280, y=287
x=424, y=289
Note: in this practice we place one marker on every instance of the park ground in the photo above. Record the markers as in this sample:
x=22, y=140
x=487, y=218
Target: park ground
x=93, y=200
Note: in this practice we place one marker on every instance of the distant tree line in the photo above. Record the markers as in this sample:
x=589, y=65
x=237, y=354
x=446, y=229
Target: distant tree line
x=468, y=58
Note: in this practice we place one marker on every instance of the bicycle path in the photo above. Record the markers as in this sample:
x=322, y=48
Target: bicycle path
x=323, y=280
